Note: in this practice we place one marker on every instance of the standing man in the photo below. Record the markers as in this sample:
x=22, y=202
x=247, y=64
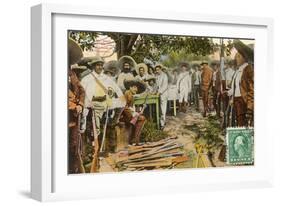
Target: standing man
x=242, y=87
x=227, y=76
x=142, y=72
x=162, y=90
x=111, y=69
x=184, y=86
x=102, y=93
x=217, y=87
x=127, y=65
x=196, y=81
x=206, y=84
x=76, y=96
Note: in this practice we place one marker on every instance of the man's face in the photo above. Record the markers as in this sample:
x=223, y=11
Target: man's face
x=98, y=67
x=134, y=89
x=126, y=67
x=183, y=68
x=150, y=70
x=157, y=70
x=141, y=71
x=239, y=59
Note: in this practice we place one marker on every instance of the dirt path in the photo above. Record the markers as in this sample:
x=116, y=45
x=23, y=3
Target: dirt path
x=185, y=127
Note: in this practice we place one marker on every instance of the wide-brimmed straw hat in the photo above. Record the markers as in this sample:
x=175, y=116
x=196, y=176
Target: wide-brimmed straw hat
x=129, y=60
x=75, y=52
x=184, y=64
x=134, y=82
x=141, y=65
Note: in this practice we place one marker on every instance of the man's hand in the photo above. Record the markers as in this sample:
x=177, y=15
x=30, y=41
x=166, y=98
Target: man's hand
x=78, y=109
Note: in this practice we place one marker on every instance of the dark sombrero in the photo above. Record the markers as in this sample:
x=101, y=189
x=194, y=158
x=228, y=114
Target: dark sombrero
x=140, y=85
x=129, y=60
x=112, y=67
x=75, y=52
x=244, y=50
x=204, y=62
x=84, y=61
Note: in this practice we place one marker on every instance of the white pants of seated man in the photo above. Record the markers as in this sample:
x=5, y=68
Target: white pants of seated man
x=163, y=106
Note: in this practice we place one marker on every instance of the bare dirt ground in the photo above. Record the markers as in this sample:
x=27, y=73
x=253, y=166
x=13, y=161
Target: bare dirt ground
x=182, y=126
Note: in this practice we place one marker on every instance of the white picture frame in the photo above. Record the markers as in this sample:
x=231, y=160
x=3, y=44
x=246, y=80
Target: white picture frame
x=49, y=179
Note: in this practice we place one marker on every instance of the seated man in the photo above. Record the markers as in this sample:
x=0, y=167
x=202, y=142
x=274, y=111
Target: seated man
x=134, y=121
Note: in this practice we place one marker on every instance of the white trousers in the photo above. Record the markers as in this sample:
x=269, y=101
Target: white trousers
x=163, y=106
x=183, y=96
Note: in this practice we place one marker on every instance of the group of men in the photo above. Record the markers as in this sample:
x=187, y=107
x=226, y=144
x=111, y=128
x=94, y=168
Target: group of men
x=232, y=87
x=99, y=92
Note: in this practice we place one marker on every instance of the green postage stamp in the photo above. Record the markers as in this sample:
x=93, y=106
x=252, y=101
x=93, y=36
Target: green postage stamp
x=240, y=145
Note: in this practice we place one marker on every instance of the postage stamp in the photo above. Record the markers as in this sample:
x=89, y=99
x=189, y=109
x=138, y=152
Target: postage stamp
x=240, y=145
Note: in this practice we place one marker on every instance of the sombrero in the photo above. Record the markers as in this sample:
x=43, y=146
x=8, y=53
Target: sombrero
x=244, y=50
x=140, y=85
x=75, y=52
x=158, y=65
x=84, y=61
x=184, y=64
x=94, y=60
x=204, y=62
x=129, y=60
x=112, y=67
x=141, y=65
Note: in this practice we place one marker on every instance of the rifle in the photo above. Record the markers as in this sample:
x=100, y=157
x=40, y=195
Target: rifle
x=94, y=166
x=135, y=118
x=80, y=146
x=104, y=130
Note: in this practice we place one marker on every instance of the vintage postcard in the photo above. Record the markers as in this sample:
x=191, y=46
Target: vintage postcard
x=139, y=102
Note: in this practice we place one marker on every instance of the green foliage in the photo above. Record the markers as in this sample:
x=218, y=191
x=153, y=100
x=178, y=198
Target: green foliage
x=85, y=39
x=210, y=137
x=150, y=133
x=147, y=45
